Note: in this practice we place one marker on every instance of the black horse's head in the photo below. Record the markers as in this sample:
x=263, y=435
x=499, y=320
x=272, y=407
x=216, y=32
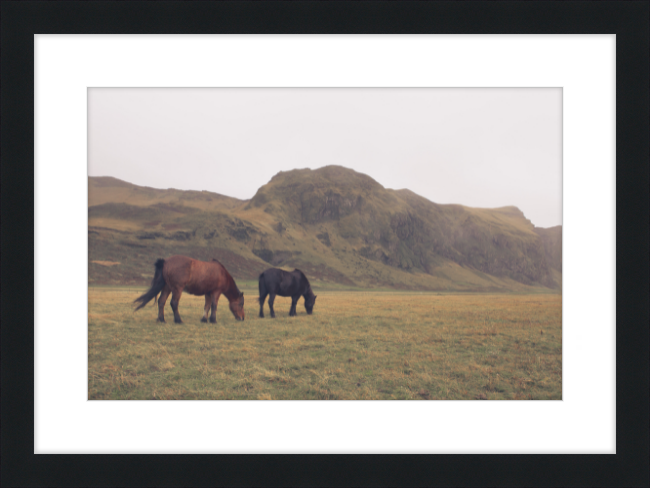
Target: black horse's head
x=310, y=299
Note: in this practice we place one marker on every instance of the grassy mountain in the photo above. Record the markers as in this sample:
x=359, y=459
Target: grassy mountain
x=337, y=225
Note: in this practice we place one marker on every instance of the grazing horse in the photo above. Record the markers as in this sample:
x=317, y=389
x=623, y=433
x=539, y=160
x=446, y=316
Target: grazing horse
x=292, y=284
x=178, y=273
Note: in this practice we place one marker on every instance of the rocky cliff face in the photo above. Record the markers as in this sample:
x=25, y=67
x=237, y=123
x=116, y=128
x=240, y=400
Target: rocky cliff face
x=401, y=229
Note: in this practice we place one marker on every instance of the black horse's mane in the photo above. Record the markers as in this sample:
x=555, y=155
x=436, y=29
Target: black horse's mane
x=303, y=278
x=302, y=275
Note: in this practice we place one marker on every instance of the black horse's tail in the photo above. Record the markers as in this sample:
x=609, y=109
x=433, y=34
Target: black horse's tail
x=157, y=284
x=262, y=288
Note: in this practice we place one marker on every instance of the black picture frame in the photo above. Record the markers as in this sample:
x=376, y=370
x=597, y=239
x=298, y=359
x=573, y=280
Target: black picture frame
x=627, y=19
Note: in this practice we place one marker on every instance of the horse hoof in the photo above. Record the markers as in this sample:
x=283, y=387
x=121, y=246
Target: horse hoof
x=204, y=320
x=162, y=321
x=178, y=321
x=213, y=321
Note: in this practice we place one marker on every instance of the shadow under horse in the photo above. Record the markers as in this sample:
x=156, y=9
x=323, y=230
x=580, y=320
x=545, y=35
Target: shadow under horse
x=292, y=284
x=178, y=273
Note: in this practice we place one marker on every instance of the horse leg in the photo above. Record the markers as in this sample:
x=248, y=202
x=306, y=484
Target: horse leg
x=176, y=297
x=206, y=308
x=215, y=299
x=271, y=300
x=262, y=298
x=292, y=310
x=161, y=303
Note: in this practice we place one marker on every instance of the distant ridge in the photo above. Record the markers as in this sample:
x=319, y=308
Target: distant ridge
x=106, y=189
x=337, y=225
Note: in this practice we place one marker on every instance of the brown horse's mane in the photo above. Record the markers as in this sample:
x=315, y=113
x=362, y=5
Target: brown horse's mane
x=231, y=292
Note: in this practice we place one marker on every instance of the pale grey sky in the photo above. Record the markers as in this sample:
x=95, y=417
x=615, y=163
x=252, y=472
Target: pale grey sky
x=480, y=147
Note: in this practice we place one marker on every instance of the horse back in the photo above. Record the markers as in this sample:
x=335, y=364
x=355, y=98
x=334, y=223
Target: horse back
x=177, y=270
x=196, y=277
x=283, y=283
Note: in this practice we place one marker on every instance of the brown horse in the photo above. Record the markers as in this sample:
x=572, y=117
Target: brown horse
x=178, y=273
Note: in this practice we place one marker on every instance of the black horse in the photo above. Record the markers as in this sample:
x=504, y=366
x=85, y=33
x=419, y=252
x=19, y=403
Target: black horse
x=292, y=284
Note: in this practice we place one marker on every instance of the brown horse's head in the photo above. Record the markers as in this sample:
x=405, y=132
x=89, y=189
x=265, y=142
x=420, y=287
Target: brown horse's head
x=310, y=299
x=237, y=307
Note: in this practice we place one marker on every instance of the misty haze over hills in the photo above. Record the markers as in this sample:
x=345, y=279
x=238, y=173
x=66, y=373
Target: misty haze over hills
x=337, y=225
x=480, y=147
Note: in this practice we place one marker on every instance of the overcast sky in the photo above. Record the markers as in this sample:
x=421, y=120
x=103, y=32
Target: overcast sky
x=479, y=147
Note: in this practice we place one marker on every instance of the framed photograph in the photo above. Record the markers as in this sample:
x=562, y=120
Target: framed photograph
x=345, y=195
x=593, y=60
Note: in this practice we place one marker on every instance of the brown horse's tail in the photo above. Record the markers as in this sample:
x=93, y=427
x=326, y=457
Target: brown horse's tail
x=157, y=284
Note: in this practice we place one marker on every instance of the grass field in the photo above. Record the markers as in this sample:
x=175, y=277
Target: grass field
x=358, y=345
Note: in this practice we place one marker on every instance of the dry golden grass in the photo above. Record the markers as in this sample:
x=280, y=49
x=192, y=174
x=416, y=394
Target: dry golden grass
x=106, y=263
x=117, y=224
x=359, y=345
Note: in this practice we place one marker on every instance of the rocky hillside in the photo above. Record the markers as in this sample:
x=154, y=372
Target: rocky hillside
x=337, y=225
